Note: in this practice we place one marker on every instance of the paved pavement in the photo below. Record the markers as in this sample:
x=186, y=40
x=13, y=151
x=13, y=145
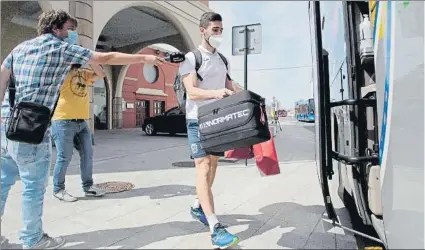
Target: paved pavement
x=283, y=211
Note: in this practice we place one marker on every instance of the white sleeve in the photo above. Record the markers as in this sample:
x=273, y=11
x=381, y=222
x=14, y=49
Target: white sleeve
x=188, y=65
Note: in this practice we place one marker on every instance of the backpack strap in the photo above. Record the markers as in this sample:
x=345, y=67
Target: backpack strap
x=225, y=62
x=198, y=62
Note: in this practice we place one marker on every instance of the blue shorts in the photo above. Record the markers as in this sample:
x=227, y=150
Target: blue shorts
x=194, y=141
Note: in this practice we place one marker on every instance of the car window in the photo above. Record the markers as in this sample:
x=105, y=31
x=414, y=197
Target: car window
x=174, y=112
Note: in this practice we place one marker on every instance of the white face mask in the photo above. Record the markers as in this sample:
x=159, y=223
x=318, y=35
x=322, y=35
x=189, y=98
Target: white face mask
x=215, y=40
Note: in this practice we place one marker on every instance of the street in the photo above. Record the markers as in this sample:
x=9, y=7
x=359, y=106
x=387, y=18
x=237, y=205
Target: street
x=282, y=211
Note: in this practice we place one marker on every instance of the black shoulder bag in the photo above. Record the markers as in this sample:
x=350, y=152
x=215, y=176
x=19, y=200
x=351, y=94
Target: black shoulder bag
x=28, y=121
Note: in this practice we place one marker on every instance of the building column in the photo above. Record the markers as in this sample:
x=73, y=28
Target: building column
x=117, y=111
x=83, y=11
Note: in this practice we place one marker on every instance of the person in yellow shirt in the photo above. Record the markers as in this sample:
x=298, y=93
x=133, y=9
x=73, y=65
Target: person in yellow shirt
x=70, y=129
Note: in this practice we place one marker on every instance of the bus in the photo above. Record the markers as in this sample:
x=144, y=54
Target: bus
x=368, y=83
x=304, y=110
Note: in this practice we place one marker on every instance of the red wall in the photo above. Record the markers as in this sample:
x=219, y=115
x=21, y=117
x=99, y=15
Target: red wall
x=167, y=73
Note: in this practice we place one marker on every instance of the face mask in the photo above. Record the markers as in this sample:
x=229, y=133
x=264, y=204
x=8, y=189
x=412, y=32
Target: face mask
x=72, y=37
x=215, y=40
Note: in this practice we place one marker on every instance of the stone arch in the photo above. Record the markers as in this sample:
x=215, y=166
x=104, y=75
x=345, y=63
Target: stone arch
x=102, y=21
x=20, y=19
x=186, y=27
x=109, y=88
x=54, y=5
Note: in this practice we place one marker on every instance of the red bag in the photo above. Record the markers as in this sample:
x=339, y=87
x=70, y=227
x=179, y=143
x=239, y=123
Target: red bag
x=239, y=153
x=266, y=158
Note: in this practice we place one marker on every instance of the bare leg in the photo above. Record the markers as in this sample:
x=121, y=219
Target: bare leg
x=213, y=169
x=203, y=189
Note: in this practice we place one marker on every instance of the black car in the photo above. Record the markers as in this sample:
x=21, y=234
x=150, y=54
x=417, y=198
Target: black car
x=173, y=122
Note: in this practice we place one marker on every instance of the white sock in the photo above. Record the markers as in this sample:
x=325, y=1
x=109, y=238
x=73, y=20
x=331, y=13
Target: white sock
x=196, y=204
x=212, y=221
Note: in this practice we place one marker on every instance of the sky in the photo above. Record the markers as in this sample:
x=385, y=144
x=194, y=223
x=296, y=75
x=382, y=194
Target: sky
x=285, y=43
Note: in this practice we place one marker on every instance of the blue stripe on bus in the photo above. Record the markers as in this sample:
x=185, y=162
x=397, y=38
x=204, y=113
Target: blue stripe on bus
x=387, y=82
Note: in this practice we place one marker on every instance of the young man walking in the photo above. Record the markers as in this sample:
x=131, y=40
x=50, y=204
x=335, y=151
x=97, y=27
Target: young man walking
x=215, y=85
x=40, y=66
x=70, y=129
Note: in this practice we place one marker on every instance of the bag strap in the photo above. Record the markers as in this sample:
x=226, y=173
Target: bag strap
x=54, y=107
x=12, y=87
x=198, y=62
x=225, y=62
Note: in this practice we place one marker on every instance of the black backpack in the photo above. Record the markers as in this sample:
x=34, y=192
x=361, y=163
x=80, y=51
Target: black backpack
x=178, y=85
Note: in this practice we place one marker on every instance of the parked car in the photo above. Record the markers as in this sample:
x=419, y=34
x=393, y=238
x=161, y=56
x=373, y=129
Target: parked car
x=172, y=121
x=282, y=113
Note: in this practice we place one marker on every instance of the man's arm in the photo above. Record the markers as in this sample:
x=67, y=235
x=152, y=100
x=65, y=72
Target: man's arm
x=5, y=75
x=117, y=58
x=4, y=80
x=98, y=71
x=195, y=93
x=230, y=84
x=75, y=54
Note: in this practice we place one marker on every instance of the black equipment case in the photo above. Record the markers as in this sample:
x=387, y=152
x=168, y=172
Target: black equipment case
x=236, y=121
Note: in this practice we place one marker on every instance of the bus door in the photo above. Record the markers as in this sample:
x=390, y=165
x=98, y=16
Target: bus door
x=322, y=121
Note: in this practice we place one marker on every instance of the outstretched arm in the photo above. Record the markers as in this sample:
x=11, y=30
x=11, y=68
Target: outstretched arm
x=4, y=79
x=6, y=70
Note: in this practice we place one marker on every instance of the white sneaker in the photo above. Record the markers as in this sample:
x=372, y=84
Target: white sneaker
x=94, y=192
x=64, y=196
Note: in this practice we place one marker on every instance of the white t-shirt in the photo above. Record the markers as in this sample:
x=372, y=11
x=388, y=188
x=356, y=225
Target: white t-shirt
x=213, y=72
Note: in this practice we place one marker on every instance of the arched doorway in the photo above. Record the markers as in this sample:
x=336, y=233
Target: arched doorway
x=129, y=30
x=100, y=104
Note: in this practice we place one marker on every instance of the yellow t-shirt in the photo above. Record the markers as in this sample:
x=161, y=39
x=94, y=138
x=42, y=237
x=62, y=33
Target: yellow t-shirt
x=74, y=95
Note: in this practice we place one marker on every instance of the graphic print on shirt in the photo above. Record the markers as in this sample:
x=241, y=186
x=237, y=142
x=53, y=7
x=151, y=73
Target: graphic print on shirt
x=77, y=84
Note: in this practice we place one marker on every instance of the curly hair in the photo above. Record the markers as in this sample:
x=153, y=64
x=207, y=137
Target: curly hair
x=54, y=19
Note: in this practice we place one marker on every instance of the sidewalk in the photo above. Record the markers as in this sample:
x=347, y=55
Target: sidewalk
x=282, y=211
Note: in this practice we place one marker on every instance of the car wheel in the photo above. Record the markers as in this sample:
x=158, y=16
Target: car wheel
x=150, y=129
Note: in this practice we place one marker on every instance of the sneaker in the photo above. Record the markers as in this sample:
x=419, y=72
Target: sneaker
x=221, y=239
x=4, y=243
x=48, y=242
x=62, y=195
x=198, y=214
x=94, y=192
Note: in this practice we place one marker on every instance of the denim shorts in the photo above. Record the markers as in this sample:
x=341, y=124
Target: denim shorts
x=194, y=141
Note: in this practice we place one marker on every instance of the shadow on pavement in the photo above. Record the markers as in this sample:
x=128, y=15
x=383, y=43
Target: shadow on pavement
x=300, y=226
x=154, y=193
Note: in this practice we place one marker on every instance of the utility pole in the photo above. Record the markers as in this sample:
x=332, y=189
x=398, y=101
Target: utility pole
x=246, y=39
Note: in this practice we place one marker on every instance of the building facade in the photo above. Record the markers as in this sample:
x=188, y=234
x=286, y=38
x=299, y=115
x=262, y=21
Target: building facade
x=128, y=93
x=147, y=90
